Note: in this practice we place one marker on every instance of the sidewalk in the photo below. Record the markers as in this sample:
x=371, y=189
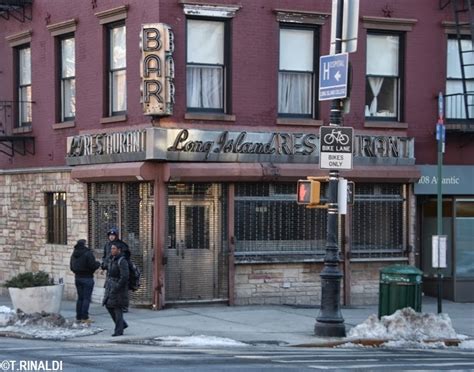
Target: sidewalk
x=250, y=324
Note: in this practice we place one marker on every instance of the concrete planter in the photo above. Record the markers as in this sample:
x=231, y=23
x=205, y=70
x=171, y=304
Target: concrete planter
x=37, y=299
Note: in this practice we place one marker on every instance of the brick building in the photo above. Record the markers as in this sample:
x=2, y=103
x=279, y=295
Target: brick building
x=186, y=124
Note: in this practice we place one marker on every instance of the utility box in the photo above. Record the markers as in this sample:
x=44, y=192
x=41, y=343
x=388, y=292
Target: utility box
x=400, y=287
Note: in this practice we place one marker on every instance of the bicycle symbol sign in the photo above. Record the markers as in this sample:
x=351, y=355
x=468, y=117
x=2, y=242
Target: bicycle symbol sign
x=336, y=148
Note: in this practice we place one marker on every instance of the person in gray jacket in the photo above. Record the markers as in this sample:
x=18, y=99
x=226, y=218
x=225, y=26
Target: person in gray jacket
x=83, y=264
x=116, y=288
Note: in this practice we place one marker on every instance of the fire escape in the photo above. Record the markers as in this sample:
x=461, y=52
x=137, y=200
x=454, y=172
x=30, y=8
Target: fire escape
x=14, y=138
x=459, y=106
x=17, y=9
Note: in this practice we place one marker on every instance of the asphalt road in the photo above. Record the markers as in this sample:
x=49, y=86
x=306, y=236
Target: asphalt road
x=74, y=355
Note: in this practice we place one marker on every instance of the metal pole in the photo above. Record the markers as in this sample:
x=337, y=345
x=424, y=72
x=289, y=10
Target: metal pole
x=439, y=217
x=330, y=322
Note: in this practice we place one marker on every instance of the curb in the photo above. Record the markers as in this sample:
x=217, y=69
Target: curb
x=375, y=342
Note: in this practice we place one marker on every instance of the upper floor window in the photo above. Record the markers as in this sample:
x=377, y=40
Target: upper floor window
x=206, y=65
x=296, y=78
x=67, y=77
x=383, y=83
x=24, y=86
x=117, y=69
x=455, y=105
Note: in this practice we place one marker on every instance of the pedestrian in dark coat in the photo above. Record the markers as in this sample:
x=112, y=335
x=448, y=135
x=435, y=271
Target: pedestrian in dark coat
x=113, y=238
x=83, y=264
x=116, y=289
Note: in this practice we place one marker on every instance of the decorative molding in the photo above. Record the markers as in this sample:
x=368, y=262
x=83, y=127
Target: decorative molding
x=296, y=121
x=113, y=119
x=450, y=28
x=385, y=124
x=301, y=17
x=112, y=15
x=206, y=116
x=62, y=28
x=392, y=24
x=64, y=125
x=193, y=8
x=20, y=38
x=27, y=129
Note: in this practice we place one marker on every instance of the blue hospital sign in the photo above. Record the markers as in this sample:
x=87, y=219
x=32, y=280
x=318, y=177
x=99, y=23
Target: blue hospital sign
x=333, y=76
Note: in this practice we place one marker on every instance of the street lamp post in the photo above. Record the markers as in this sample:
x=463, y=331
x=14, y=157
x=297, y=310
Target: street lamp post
x=330, y=322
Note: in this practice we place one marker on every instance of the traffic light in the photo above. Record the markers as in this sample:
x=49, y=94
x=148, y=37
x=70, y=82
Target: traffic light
x=308, y=192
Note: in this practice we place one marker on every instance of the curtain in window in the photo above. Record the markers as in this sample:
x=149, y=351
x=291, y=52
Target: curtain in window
x=382, y=55
x=205, y=64
x=119, y=90
x=375, y=85
x=204, y=87
x=24, y=92
x=294, y=92
x=68, y=72
x=296, y=71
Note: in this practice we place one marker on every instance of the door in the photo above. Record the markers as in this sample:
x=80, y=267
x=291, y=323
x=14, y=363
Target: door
x=191, y=272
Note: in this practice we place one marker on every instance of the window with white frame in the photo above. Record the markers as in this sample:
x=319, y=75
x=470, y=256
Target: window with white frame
x=296, y=72
x=383, y=84
x=117, y=69
x=206, y=70
x=455, y=108
x=67, y=78
x=24, y=86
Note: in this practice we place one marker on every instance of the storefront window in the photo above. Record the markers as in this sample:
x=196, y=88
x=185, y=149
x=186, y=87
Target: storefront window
x=269, y=222
x=464, y=226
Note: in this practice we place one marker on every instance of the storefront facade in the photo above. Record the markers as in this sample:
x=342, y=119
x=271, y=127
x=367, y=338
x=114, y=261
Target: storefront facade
x=457, y=224
x=132, y=115
x=222, y=207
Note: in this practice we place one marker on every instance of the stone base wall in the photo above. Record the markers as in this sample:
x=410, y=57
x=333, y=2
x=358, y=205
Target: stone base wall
x=23, y=222
x=300, y=283
x=365, y=278
x=278, y=284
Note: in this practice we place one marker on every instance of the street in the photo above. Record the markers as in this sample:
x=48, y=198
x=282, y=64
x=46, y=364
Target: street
x=91, y=356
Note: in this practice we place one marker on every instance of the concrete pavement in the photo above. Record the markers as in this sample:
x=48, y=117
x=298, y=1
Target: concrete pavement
x=279, y=325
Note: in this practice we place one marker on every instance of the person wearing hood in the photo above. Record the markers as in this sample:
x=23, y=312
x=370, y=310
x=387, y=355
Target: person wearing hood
x=116, y=289
x=83, y=264
x=113, y=239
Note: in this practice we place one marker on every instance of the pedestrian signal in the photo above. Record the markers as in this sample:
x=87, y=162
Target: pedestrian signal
x=308, y=192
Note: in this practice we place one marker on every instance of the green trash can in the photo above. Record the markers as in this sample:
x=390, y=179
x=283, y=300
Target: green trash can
x=400, y=287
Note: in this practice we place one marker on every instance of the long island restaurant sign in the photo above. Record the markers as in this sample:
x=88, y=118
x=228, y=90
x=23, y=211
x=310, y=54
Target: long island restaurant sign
x=186, y=145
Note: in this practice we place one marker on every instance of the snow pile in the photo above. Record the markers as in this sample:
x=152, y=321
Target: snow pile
x=7, y=316
x=41, y=325
x=467, y=344
x=405, y=324
x=197, y=341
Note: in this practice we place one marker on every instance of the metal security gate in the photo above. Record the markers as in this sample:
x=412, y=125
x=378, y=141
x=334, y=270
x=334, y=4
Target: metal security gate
x=196, y=268
x=129, y=207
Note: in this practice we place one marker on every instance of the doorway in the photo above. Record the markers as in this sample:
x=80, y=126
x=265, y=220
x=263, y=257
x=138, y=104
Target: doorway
x=194, y=271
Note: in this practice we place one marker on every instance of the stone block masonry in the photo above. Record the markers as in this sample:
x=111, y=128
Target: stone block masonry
x=23, y=224
x=278, y=284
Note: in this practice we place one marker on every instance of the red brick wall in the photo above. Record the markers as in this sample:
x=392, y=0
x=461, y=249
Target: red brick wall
x=254, y=70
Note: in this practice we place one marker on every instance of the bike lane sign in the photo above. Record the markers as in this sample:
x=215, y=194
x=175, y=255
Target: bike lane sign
x=335, y=148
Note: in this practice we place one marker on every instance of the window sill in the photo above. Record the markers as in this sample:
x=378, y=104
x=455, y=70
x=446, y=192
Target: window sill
x=295, y=121
x=64, y=125
x=202, y=116
x=385, y=124
x=22, y=130
x=113, y=119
